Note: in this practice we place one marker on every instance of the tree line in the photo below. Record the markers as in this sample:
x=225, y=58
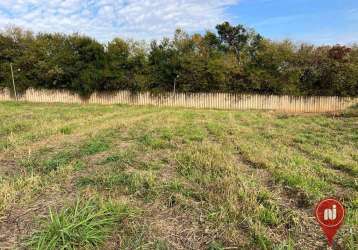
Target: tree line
x=231, y=59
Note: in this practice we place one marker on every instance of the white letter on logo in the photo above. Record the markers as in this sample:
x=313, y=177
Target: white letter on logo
x=330, y=214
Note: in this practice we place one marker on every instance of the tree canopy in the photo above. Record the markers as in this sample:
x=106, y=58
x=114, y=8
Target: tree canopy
x=232, y=59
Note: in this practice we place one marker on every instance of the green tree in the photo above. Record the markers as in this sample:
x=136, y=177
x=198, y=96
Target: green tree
x=238, y=38
x=13, y=46
x=235, y=59
x=331, y=71
x=126, y=66
x=164, y=65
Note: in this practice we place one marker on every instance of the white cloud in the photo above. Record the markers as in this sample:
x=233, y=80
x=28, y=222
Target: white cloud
x=105, y=19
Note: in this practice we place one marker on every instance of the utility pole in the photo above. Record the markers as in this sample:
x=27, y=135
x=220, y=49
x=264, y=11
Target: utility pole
x=13, y=81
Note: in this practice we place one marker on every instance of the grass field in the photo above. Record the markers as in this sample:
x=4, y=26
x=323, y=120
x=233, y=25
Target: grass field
x=120, y=177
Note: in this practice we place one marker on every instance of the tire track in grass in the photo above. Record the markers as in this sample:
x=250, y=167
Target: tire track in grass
x=217, y=136
x=236, y=139
x=299, y=220
x=56, y=141
x=321, y=141
x=307, y=234
x=345, y=235
x=179, y=234
x=164, y=222
x=17, y=217
x=342, y=186
x=340, y=170
x=73, y=176
x=88, y=124
x=223, y=202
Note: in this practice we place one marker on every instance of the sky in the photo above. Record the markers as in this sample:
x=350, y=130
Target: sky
x=310, y=21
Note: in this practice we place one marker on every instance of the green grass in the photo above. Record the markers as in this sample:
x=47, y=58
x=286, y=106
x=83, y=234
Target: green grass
x=201, y=179
x=84, y=225
x=94, y=146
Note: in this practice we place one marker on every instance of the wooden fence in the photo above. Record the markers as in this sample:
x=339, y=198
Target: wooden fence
x=195, y=100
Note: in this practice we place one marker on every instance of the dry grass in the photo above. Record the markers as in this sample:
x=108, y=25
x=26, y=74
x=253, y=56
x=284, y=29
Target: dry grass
x=196, y=179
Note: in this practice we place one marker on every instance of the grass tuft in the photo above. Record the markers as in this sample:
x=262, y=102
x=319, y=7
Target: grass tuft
x=59, y=160
x=94, y=146
x=84, y=225
x=66, y=130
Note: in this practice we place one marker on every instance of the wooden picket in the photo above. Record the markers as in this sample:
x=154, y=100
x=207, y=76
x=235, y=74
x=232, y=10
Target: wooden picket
x=284, y=103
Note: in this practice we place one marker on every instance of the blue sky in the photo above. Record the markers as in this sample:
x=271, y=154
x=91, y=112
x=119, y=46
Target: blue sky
x=315, y=21
x=312, y=21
